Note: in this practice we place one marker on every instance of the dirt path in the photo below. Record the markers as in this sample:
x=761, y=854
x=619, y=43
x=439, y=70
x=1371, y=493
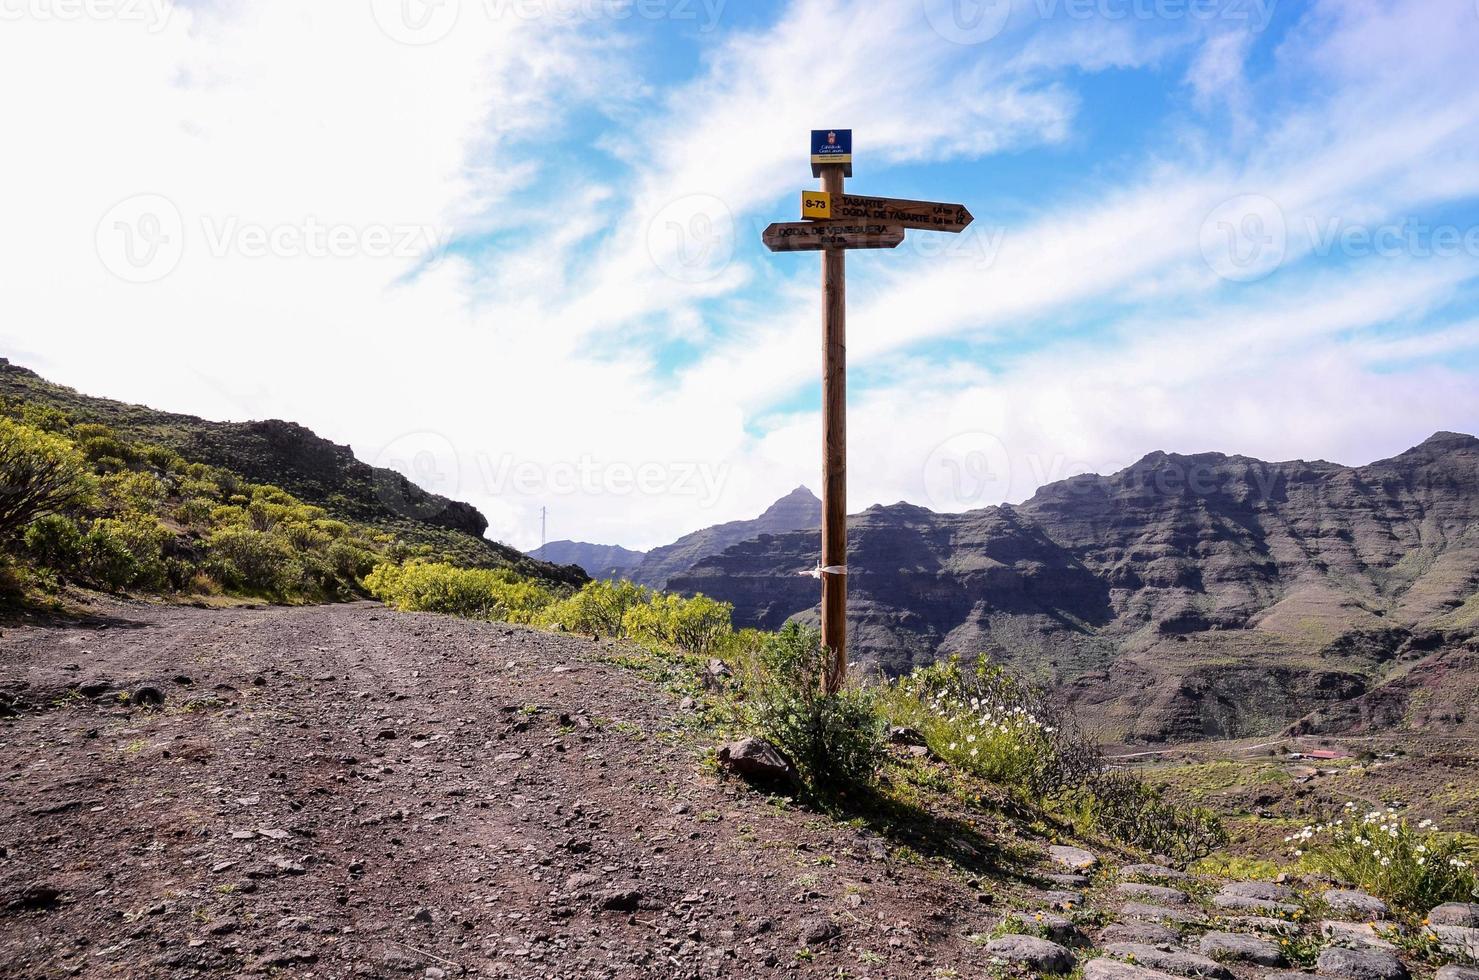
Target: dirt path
x=344, y=791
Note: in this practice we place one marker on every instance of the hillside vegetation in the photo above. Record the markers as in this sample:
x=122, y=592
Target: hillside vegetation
x=87, y=504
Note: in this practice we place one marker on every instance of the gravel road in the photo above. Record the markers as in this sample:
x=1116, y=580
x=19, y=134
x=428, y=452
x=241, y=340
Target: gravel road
x=344, y=791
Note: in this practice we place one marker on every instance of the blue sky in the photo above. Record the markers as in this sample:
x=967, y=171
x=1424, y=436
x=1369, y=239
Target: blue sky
x=511, y=247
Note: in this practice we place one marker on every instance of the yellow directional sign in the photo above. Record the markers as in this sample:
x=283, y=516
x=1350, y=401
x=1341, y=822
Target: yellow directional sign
x=815, y=204
x=923, y=215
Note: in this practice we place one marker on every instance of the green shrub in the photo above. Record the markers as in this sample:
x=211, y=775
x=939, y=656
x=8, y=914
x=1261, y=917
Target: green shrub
x=476, y=593
x=1413, y=868
x=40, y=473
x=55, y=541
x=698, y=625
x=599, y=609
x=995, y=726
x=1118, y=805
x=244, y=558
x=836, y=741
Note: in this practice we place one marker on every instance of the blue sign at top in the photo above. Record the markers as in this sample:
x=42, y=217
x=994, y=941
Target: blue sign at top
x=831, y=147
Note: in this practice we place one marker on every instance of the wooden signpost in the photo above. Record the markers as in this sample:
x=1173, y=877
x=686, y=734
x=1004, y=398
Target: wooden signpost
x=923, y=215
x=814, y=236
x=837, y=222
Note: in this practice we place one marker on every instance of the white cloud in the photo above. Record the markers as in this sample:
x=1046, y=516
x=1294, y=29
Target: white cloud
x=537, y=345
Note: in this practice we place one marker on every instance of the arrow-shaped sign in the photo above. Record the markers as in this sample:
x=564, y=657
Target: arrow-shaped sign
x=814, y=236
x=924, y=215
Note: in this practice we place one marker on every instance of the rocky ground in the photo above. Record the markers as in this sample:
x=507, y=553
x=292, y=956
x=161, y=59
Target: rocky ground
x=344, y=791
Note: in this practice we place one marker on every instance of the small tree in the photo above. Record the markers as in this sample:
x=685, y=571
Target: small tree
x=40, y=474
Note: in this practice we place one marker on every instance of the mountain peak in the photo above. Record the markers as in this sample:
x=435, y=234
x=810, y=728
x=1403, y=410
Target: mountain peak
x=1449, y=440
x=800, y=499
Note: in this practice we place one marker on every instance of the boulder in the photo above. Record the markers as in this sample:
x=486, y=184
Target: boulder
x=1161, y=913
x=1457, y=973
x=1072, y=857
x=1455, y=914
x=1138, y=932
x=755, y=758
x=624, y=898
x=1240, y=947
x=1361, y=964
x=818, y=930
x=1034, y=953
x=1263, y=890
x=1356, y=905
x=1064, y=900
x=1259, y=923
x=1152, y=893
x=1120, y=970
x=1359, y=935
x=1151, y=872
x=1251, y=904
x=1177, y=961
x=1059, y=929
x=1458, y=940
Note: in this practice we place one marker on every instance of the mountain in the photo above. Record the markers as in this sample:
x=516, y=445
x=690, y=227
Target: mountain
x=798, y=510
x=1182, y=597
x=600, y=561
x=292, y=457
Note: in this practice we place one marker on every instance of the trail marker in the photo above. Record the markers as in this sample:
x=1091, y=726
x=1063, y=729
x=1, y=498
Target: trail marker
x=836, y=222
x=814, y=236
x=923, y=215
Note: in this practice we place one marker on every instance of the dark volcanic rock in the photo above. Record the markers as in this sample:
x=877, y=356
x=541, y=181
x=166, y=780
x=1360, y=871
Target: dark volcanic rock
x=800, y=510
x=755, y=758
x=599, y=561
x=1180, y=598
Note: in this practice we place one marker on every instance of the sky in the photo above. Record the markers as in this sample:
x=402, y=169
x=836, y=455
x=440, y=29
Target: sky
x=512, y=247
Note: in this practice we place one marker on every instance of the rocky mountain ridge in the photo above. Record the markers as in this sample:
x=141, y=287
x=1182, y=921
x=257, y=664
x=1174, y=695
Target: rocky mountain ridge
x=599, y=561
x=798, y=510
x=1185, y=596
x=296, y=459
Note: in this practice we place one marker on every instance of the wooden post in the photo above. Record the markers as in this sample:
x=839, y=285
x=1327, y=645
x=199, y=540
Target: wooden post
x=834, y=450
